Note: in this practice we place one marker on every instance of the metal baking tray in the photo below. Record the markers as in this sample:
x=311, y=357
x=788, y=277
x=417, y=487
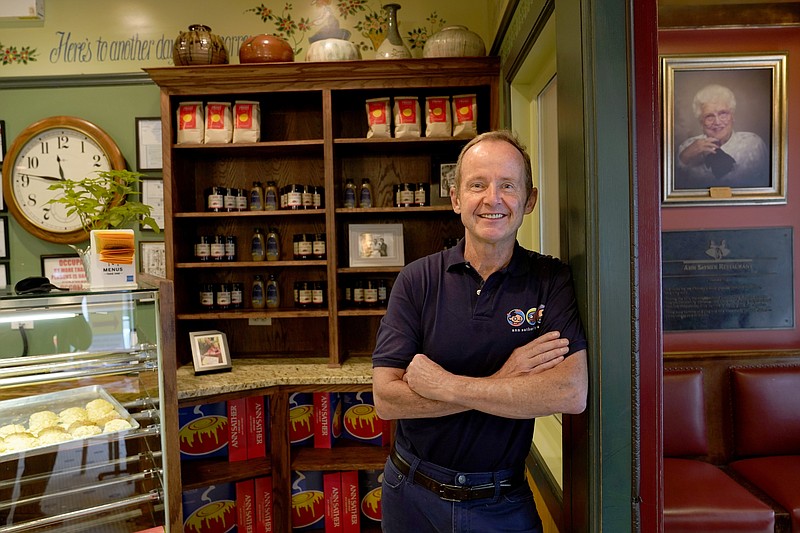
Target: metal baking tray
x=19, y=410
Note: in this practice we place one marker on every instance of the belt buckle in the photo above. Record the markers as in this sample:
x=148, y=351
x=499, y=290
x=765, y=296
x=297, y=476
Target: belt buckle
x=444, y=490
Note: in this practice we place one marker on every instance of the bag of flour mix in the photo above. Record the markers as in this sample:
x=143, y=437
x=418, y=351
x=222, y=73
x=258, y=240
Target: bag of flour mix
x=378, y=118
x=190, y=123
x=246, y=122
x=406, y=117
x=218, y=122
x=465, y=115
x=437, y=117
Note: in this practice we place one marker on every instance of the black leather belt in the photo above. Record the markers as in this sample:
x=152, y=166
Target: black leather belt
x=453, y=493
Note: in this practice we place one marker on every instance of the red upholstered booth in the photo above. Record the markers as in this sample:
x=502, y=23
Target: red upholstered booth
x=699, y=496
x=766, y=411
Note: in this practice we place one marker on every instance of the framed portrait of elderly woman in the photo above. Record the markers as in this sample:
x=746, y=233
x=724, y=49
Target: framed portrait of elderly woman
x=724, y=138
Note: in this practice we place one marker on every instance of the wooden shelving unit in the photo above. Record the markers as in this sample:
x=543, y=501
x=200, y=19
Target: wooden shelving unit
x=313, y=132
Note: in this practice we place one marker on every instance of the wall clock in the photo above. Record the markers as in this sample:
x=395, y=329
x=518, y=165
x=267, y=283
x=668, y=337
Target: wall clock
x=51, y=150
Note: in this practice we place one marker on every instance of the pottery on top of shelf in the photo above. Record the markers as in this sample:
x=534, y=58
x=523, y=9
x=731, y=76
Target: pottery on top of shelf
x=454, y=41
x=332, y=50
x=198, y=46
x=265, y=48
x=392, y=46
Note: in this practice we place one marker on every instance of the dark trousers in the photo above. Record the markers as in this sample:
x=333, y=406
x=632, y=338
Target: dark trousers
x=409, y=507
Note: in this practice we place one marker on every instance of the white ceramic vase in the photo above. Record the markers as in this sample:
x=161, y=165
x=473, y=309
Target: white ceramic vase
x=392, y=46
x=454, y=41
x=332, y=50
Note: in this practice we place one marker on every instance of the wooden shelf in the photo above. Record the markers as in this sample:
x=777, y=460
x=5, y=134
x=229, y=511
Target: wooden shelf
x=340, y=457
x=247, y=214
x=251, y=264
x=246, y=314
x=202, y=473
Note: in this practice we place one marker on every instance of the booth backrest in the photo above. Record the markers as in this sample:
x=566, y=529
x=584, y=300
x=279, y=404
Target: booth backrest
x=685, y=431
x=765, y=410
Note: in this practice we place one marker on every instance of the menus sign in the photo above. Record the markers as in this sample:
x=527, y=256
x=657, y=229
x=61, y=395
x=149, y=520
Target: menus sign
x=727, y=279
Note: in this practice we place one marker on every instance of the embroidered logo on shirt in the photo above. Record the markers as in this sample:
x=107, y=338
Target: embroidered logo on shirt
x=534, y=315
x=516, y=317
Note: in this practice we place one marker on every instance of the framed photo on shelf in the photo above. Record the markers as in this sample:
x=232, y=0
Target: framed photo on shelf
x=376, y=245
x=2, y=158
x=152, y=258
x=65, y=270
x=725, y=129
x=443, y=176
x=148, y=144
x=210, y=351
x=153, y=195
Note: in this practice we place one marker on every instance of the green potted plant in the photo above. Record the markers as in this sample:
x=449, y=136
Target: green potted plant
x=103, y=201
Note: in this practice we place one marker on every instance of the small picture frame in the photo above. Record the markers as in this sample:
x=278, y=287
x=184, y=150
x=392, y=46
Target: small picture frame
x=152, y=258
x=724, y=129
x=376, y=245
x=210, y=351
x=153, y=195
x=3, y=238
x=2, y=141
x=5, y=276
x=148, y=144
x=65, y=271
x=443, y=176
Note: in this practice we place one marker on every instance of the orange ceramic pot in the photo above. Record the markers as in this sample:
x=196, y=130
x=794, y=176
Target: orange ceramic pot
x=265, y=48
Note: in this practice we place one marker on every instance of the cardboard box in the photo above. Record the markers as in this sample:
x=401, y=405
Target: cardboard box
x=351, y=515
x=332, y=487
x=203, y=431
x=245, y=507
x=308, y=500
x=256, y=427
x=209, y=509
x=327, y=419
x=112, y=259
x=265, y=521
x=237, y=430
x=361, y=421
x=301, y=419
x=369, y=488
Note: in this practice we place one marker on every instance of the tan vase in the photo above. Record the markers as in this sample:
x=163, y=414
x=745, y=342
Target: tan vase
x=332, y=50
x=265, y=48
x=198, y=46
x=454, y=41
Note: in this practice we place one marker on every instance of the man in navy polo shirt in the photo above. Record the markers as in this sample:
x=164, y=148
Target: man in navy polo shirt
x=477, y=341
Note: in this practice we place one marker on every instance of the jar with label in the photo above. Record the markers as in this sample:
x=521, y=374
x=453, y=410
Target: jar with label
x=319, y=248
x=318, y=290
x=257, y=197
x=303, y=246
x=304, y=294
x=348, y=294
x=222, y=296
x=370, y=292
x=202, y=249
x=257, y=293
x=294, y=196
x=257, y=246
x=273, y=245
x=358, y=293
x=383, y=292
x=273, y=293
x=215, y=198
x=405, y=194
x=217, y=248
x=296, y=293
x=349, y=199
x=271, y=196
x=241, y=200
x=421, y=194
x=365, y=194
x=229, y=201
x=230, y=248
x=207, y=296
x=319, y=197
x=237, y=295
x=308, y=197
x=396, y=194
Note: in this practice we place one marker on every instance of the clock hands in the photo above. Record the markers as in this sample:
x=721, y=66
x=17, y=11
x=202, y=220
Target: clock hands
x=60, y=170
x=60, y=177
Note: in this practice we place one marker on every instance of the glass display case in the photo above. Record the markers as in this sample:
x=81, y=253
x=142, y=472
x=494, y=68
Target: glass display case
x=83, y=444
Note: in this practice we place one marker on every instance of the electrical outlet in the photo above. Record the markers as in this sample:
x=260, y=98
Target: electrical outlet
x=259, y=322
x=24, y=324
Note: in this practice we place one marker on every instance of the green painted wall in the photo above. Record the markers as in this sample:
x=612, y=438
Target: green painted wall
x=113, y=108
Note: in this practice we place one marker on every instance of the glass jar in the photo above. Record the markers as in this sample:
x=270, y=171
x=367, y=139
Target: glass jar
x=273, y=252
x=365, y=194
x=358, y=293
x=349, y=198
x=257, y=293
x=257, y=197
x=304, y=294
x=405, y=194
x=421, y=196
x=319, y=197
x=271, y=197
x=217, y=248
x=257, y=245
x=318, y=290
x=237, y=295
x=303, y=246
x=370, y=292
x=222, y=296
x=215, y=199
x=294, y=196
x=229, y=200
x=318, y=247
x=202, y=249
x=230, y=248
x=241, y=200
x=307, y=197
x=273, y=294
x=383, y=292
x=206, y=296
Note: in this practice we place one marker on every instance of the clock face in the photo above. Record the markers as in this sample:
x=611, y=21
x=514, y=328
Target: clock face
x=48, y=152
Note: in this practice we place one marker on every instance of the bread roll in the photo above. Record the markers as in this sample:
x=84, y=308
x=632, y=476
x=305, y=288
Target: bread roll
x=17, y=442
x=12, y=428
x=117, y=424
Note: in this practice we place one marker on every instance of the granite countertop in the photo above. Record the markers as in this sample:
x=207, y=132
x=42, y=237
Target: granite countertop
x=248, y=374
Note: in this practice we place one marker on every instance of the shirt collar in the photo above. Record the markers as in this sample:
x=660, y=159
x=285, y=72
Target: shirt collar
x=454, y=260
